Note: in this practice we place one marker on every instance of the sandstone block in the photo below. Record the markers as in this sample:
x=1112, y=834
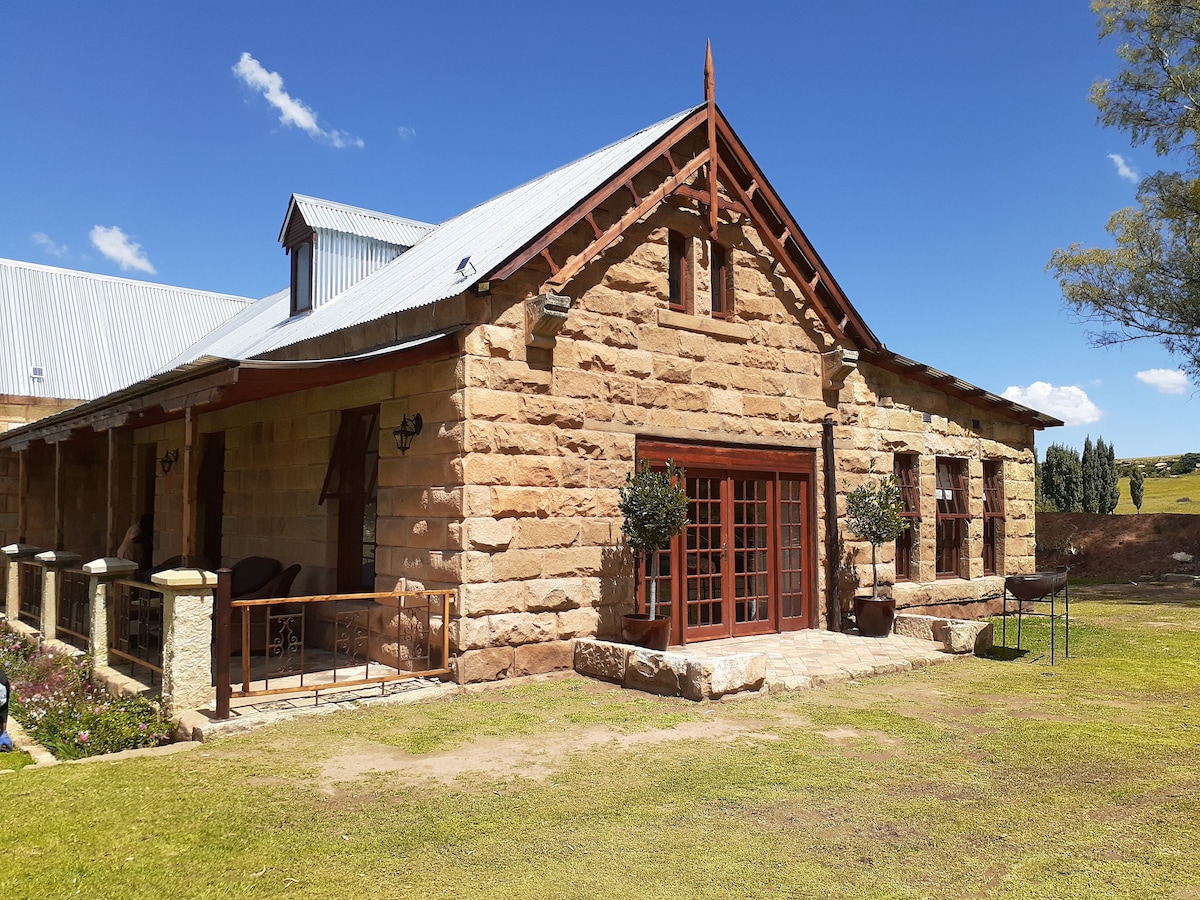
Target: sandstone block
x=601, y=659
x=470, y=634
x=915, y=626
x=524, y=628
x=532, y=533
x=483, y=665
x=656, y=672
x=491, y=599
x=553, y=594
x=582, y=622
x=534, y=659
x=489, y=534
x=722, y=675
x=516, y=565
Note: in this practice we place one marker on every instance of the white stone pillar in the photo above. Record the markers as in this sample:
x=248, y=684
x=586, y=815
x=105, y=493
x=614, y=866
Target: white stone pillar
x=101, y=575
x=53, y=562
x=187, y=644
x=12, y=596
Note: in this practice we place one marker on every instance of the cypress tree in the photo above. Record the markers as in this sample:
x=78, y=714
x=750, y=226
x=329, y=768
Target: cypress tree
x=1062, y=479
x=1135, y=487
x=1091, y=477
x=1110, y=490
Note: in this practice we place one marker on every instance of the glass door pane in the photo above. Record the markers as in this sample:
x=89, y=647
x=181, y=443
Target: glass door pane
x=751, y=554
x=791, y=541
x=703, y=558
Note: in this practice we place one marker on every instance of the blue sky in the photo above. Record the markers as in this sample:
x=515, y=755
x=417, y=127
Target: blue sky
x=936, y=153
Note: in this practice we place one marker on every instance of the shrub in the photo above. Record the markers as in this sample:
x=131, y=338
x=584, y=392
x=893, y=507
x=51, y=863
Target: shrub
x=61, y=708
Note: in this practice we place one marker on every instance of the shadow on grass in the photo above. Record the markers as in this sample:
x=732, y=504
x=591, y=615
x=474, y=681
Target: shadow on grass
x=1004, y=654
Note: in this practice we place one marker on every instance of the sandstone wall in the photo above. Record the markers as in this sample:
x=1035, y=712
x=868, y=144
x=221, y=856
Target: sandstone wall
x=550, y=434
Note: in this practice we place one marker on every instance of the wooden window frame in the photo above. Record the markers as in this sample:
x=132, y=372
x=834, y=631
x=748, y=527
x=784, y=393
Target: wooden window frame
x=953, y=511
x=302, y=304
x=678, y=275
x=907, y=480
x=721, y=286
x=993, y=512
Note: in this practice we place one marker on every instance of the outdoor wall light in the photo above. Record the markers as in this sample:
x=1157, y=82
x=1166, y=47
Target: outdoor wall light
x=168, y=460
x=410, y=427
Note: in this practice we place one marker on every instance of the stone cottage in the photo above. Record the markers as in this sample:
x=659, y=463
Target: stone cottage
x=456, y=406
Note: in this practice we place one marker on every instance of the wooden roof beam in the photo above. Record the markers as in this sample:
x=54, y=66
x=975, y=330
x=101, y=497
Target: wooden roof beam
x=572, y=267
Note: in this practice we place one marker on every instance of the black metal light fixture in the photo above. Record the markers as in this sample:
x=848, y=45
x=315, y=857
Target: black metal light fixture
x=168, y=460
x=410, y=427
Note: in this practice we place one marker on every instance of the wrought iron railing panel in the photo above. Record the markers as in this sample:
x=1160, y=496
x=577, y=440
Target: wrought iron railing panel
x=29, y=588
x=336, y=641
x=74, y=608
x=135, y=624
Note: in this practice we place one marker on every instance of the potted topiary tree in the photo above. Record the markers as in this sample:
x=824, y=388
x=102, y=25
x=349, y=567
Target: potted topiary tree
x=873, y=513
x=655, y=507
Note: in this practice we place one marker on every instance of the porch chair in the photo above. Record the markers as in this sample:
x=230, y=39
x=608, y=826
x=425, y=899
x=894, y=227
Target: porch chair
x=278, y=587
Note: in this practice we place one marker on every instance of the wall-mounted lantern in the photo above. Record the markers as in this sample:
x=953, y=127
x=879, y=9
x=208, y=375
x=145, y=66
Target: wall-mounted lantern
x=168, y=460
x=410, y=427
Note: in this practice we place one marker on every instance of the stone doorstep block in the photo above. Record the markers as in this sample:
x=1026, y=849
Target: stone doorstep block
x=955, y=635
x=601, y=659
x=656, y=672
x=708, y=679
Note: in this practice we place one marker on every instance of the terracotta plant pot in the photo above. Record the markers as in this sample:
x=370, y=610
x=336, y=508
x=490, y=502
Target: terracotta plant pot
x=874, y=615
x=642, y=631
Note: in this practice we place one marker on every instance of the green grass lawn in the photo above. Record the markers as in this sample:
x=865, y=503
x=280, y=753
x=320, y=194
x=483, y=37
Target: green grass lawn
x=1163, y=495
x=982, y=778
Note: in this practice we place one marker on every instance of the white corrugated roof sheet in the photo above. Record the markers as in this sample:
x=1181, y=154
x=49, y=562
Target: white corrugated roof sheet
x=325, y=214
x=489, y=234
x=94, y=334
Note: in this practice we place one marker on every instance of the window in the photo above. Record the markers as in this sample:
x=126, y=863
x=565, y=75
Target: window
x=906, y=480
x=301, y=277
x=351, y=480
x=952, y=515
x=719, y=273
x=993, y=512
x=677, y=274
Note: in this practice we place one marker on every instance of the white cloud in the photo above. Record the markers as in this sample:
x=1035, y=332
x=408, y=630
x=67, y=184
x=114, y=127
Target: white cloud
x=1167, y=381
x=1124, y=169
x=406, y=131
x=291, y=110
x=1069, y=403
x=43, y=240
x=117, y=246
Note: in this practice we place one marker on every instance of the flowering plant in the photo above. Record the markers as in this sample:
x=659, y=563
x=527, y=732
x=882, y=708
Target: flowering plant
x=60, y=707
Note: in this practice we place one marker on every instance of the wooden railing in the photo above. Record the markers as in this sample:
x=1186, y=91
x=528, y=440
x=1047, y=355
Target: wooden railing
x=29, y=592
x=74, y=608
x=328, y=641
x=135, y=625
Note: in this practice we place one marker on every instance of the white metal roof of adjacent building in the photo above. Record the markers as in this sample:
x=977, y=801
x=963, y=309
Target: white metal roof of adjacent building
x=488, y=235
x=76, y=336
x=325, y=214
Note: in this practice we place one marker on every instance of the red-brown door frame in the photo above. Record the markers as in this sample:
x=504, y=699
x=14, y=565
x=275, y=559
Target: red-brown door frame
x=710, y=460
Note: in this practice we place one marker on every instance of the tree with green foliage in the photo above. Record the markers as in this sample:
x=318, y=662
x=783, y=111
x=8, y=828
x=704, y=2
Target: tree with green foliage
x=1062, y=479
x=1136, y=488
x=655, y=507
x=1186, y=464
x=873, y=512
x=1148, y=284
x=1110, y=481
x=1090, y=477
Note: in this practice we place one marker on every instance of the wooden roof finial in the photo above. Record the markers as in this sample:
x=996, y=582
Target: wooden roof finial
x=709, y=81
x=710, y=98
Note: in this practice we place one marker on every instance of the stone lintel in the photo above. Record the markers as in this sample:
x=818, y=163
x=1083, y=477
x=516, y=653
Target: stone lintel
x=179, y=579
x=718, y=328
x=111, y=566
x=20, y=551
x=58, y=559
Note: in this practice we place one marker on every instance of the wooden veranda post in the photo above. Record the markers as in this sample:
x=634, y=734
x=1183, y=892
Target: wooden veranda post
x=224, y=614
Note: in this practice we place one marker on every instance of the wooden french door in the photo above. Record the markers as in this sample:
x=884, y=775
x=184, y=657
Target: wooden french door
x=745, y=562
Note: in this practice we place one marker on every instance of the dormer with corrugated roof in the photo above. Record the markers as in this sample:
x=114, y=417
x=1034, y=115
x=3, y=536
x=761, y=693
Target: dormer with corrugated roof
x=333, y=246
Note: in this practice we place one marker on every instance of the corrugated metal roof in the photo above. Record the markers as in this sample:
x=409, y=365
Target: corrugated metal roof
x=93, y=334
x=488, y=234
x=325, y=214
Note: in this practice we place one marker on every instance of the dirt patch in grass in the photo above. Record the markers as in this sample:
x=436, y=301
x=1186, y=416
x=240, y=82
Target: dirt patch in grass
x=535, y=759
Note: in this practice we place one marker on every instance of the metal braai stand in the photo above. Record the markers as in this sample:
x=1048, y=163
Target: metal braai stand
x=1041, y=587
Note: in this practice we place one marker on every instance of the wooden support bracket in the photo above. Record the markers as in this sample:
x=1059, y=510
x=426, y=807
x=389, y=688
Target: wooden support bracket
x=836, y=365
